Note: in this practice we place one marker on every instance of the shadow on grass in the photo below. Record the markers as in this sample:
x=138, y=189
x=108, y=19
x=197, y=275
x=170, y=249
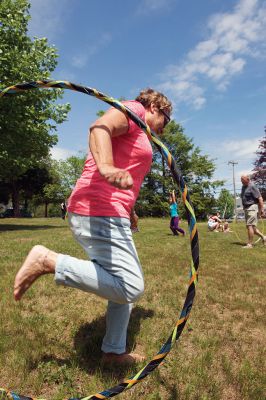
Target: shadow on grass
x=89, y=338
x=171, y=389
x=239, y=243
x=87, y=346
x=6, y=227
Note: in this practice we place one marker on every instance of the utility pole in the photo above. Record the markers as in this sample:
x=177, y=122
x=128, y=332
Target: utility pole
x=234, y=183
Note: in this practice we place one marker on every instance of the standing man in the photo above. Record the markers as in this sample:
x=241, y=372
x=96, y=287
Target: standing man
x=253, y=207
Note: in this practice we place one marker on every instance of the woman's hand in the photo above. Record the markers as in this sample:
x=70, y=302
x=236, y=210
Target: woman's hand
x=117, y=177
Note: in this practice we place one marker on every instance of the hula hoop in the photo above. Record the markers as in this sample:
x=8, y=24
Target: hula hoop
x=244, y=241
x=194, y=241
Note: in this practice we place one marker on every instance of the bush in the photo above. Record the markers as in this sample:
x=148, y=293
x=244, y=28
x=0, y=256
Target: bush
x=54, y=210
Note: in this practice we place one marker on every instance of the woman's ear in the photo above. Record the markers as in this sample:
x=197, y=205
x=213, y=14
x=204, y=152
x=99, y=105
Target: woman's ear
x=153, y=107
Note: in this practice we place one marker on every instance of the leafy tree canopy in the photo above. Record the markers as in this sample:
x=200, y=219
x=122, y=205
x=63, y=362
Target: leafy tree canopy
x=69, y=171
x=225, y=204
x=197, y=171
x=27, y=120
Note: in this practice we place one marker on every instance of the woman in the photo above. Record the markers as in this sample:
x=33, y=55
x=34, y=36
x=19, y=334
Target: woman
x=99, y=216
x=214, y=222
x=174, y=222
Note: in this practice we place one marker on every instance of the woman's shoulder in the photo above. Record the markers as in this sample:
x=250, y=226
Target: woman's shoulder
x=139, y=110
x=136, y=107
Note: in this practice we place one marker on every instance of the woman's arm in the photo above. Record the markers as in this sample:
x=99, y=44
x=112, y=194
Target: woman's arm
x=112, y=123
x=173, y=197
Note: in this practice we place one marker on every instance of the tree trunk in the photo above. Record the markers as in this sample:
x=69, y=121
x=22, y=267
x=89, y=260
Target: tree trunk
x=46, y=209
x=15, y=200
x=26, y=203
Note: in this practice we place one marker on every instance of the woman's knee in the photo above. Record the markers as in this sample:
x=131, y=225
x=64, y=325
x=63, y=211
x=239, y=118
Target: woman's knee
x=134, y=292
x=139, y=290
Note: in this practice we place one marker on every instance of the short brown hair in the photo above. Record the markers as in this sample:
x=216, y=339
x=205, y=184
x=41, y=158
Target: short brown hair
x=148, y=96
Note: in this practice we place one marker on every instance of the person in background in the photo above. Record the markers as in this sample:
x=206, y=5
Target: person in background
x=226, y=227
x=253, y=207
x=174, y=214
x=214, y=222
x=63, y=210
x=99, y=216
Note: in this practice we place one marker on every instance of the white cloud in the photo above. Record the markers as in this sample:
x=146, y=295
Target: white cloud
x=242, y=148
x=46, y=17
x=59, y=153
x=233, y=38
x=243, y=172
x=146, y=6
x=65, y=74
x=80, y=60
x=242, y=151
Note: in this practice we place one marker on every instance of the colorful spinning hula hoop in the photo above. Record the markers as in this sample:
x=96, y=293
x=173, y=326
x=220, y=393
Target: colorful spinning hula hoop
x=244, y=241
x=191, y=291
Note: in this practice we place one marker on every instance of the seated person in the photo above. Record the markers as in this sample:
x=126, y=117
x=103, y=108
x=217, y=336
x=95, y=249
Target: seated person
x=226, y=227
x=214, y=222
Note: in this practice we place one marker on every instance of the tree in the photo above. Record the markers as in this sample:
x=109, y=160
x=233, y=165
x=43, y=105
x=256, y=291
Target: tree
x=259, y=176
x=4, y=193
x=151, y=201
x=197, y=170
x=28, y=120
x=69, y=171
x=33, y=182
x=225, y=204
x=51, y=190
x=63, y=175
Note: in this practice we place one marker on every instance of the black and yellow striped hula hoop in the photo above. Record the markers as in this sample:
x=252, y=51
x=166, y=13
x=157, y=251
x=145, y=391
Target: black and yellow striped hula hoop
x=194, y=241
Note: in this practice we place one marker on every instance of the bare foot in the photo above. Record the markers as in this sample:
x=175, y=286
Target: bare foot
x=248, y=246
x=33, y=267
x=121, y=359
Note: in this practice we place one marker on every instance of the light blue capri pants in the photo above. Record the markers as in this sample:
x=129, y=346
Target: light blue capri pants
x=113, y=272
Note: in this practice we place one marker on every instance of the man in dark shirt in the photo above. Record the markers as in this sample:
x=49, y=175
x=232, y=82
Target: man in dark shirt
x=253, y=207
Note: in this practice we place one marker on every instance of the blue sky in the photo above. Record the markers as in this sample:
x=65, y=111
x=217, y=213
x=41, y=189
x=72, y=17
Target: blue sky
x=207, y=56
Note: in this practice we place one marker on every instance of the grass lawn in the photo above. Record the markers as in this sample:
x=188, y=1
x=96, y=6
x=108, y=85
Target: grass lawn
x=50, y=341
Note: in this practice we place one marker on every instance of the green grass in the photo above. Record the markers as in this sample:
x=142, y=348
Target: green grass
x=50, y=341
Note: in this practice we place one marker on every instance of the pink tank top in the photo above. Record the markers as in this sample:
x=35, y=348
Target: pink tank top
x=93, y=195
